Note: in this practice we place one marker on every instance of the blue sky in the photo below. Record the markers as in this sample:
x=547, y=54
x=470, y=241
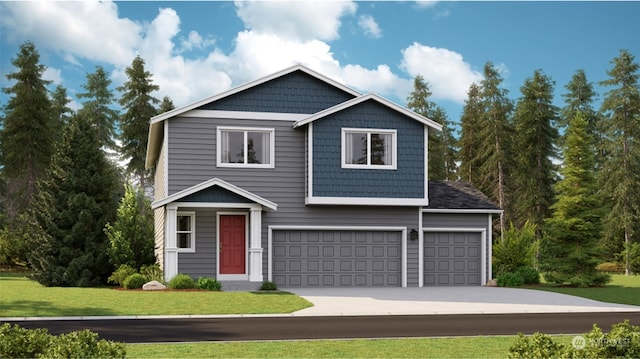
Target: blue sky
x=197, y=49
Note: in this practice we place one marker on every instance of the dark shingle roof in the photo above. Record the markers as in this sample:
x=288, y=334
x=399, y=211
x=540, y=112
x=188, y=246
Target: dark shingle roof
x=457, y=195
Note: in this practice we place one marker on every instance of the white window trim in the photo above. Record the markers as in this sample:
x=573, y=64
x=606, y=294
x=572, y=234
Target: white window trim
x=369, y=131
x=272, y=147
x=192, y=216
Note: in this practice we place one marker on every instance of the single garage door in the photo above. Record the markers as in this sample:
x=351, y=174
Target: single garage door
x=451, y=258
x=336, y=258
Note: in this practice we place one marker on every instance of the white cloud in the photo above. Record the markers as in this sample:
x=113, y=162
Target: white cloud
x=448, y=75
x=86, y=29
x=299, y=20
x=52, y=74
x=370, y=27
x=425, y=3
x=380, y=80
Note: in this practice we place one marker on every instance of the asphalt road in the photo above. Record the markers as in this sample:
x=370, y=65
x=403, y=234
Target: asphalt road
x=280, y=328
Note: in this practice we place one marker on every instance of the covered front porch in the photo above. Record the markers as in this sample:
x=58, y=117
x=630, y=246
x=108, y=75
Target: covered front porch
x=214, y=229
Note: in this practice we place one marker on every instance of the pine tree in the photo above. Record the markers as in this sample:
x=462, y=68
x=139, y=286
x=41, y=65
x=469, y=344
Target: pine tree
x=470, y=141
x=60, y=110
x=27, y=137
x=441, y=145
x=570, y=249
x=166, y=105
x=131, y=237
x=535, y=147
x=580, y=98
x=620, y=173
x=495, y=132
x=139, y=107
x=76, y=199
x=97, y=109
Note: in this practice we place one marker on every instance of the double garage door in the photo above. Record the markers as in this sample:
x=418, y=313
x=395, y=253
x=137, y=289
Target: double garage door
x=323, y=258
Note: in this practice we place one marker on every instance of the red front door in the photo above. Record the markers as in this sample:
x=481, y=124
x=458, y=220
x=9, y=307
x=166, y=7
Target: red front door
x=233, y=251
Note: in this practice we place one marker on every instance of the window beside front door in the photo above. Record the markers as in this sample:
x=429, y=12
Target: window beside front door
x=186, y=231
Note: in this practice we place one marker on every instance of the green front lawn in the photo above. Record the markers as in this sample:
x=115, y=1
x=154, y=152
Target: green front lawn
x=463, y=347
x=622, y=289
x=21, y=297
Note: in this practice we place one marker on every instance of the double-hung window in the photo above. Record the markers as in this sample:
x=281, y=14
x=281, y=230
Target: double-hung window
x=245, y=147
x=369, y=148
x=186, y=231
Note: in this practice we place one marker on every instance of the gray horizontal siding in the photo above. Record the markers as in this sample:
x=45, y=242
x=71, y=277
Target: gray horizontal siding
x=455, y=220
x=202, y=263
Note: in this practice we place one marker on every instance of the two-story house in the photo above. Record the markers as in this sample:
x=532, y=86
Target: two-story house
x=297, y=179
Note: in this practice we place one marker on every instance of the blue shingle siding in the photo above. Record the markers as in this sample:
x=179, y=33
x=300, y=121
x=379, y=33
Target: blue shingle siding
x=296, y=92
x=216, y=195
x=331, y=180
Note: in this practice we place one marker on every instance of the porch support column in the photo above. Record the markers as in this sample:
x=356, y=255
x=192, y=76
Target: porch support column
x=255, y=244
x=171, y=250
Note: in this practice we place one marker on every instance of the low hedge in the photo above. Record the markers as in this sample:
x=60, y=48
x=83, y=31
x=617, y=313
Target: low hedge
x=19, y=342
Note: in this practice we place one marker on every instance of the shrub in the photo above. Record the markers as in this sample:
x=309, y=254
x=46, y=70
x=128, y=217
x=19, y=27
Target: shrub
x=623, y=341
x=208, y=284
x=509, y=279
x=134, y=281
x=84, y=344
x=529, y=274
x=517, y=249
x=610, y=267
x=121, y=274
x=181, y=281
x=18, y=342
x=268, y=286
x=152, y=272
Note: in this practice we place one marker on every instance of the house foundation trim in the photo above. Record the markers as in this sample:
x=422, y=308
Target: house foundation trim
x=338, y=228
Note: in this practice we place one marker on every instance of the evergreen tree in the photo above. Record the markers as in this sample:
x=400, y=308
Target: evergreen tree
x=570, y=249
x=535, y=147
x=166, y=105
x=97, y=109
x=139, y=107
x=60, y=110
x=131, y=237
x=441, y=145
x=620, y=175
x=470, y=141
x=26, y=140
x=495, y=132
x=76, y=199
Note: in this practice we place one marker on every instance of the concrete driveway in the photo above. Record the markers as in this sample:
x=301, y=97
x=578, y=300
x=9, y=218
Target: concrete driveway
x=445, y=300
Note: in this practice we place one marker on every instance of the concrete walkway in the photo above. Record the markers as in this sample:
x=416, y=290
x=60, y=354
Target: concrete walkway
x=445, y=300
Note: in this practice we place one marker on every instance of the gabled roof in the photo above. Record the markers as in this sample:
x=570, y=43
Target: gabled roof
x=156, y=124
x=362, y=99
x=458, y=196
x=176, y=197
x=257, y=82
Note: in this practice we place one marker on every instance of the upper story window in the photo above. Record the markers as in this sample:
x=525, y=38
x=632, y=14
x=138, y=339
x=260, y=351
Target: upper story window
x=186, y=231
x=369, y=148
x=245, y=147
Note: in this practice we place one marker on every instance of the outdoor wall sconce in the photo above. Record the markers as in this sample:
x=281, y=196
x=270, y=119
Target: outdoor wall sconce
x=413, y=235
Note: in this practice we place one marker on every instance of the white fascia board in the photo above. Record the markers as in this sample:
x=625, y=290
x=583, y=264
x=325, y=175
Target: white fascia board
x=156, y=130
x=242, y=115
x=215, y=182
x=447, y=210
x=363, y=98
x=365, y=201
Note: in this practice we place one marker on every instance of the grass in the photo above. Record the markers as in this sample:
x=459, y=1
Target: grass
x=21, y=297
x=622, y=289
x=463, y=347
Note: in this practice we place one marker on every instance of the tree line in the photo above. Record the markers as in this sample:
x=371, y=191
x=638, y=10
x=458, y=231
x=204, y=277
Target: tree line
x=572, y=172
x=60, y=178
